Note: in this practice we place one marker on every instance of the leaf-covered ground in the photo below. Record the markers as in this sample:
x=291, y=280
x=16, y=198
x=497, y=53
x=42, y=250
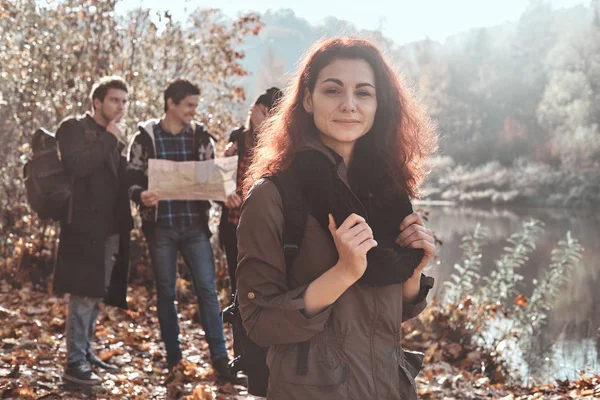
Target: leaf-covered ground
x=33, y=354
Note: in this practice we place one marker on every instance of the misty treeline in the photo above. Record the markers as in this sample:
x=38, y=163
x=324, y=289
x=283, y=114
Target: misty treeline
x=518, y=107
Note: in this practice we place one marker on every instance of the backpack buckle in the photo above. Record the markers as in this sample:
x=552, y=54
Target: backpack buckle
x=290, y=250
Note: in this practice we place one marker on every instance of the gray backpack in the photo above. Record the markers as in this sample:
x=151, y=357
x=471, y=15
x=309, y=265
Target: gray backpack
x=49, y=187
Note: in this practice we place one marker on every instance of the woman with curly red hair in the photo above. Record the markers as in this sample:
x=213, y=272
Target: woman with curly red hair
x=355, y=142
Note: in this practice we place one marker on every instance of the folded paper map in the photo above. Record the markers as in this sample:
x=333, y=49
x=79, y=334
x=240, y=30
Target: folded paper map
x=193, y=180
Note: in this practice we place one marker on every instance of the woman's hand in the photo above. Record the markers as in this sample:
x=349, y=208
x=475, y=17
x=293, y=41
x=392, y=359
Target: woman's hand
x=353, y=239
x=231, y=149
x=414, y=235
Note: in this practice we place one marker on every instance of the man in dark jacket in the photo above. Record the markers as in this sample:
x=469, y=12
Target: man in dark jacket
x=89, y=243
x=182, y=225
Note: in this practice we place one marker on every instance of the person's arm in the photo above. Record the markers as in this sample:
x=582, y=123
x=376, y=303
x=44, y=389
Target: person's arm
x=353, y=239
x=414, y=235
x=415, y=302
x=137, y=169
x=271, y=312
x=78, y=158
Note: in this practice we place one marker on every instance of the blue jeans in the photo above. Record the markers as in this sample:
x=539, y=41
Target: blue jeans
x=83, y=311
x=195, y=247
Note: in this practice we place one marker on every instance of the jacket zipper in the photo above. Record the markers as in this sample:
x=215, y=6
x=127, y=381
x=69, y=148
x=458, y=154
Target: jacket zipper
x=364, y=210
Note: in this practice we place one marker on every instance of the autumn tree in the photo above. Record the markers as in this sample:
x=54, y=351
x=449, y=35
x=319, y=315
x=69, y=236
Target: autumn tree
x=52, y=53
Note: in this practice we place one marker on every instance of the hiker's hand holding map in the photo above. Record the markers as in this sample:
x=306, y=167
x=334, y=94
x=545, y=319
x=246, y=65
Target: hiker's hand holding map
x=193, y=180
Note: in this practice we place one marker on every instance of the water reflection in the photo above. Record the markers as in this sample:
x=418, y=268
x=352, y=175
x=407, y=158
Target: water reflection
x=573, y=325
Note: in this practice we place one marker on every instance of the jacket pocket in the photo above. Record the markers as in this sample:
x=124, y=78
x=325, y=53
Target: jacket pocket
x=327, y=368
x=86, y=221
x=327, y=362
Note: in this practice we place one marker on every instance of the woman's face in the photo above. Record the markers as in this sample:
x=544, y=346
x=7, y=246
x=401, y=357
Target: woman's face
x=343, y=102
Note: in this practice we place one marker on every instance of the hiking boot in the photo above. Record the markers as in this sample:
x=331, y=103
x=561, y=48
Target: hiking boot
x=97, y=362
x=221, y=367
x=81, y=374
x=237, y=365
x=173, y=362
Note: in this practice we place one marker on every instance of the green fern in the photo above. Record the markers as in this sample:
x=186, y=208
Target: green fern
x=527, y=316
x=502, y=282
x=564, y=258
x=464, y=280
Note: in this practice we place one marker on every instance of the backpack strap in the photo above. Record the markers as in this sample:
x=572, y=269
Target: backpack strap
x=70, y=207
x=199, y=130
x=295, y=215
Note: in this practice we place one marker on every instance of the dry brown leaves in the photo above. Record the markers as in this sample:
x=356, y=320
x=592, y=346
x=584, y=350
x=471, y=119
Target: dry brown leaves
x=32, y=355
x=32, y=351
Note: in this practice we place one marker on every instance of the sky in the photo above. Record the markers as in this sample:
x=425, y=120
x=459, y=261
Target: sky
x=400, y=20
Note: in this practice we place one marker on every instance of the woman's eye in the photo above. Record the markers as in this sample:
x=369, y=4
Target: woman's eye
x=332, y=91
x=363, y=94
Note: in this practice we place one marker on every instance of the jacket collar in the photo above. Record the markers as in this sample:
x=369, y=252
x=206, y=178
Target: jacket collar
x=315, y=144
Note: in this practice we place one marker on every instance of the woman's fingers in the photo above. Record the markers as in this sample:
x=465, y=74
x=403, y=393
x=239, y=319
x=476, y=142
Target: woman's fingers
x=414, y=232
x=413, y=218
x=367, y=245
x=351, y=221
x=361, y=237
x=427, y=246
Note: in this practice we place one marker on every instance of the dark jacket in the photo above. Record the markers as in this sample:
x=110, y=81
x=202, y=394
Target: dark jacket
x=354, y=344
x=117, y=290
x=237, y=137
x=141, y=148
x=91, y=156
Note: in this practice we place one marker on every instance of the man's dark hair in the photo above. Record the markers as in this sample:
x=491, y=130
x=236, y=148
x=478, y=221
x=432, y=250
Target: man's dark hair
x=102, y=86
x=178, y=90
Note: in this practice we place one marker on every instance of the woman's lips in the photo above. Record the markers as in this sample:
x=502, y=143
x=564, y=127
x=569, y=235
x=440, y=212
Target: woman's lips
x=346, y=121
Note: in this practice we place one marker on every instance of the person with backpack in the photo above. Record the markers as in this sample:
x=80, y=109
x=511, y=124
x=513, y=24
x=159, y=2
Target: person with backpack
x=241, y=143
x=328, y=297
x=173, y=226
x=95, y=224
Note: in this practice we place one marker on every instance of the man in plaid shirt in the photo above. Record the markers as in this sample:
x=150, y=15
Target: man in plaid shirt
x=178, y=226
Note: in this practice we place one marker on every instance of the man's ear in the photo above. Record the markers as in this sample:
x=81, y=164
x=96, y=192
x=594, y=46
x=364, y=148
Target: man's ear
x=96, y=103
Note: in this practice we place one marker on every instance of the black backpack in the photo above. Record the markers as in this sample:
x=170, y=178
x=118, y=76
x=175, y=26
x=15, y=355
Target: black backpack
x=49, y=187
x=295, y=216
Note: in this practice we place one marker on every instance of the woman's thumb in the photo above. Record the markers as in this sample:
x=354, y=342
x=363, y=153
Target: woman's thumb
x=332, y=225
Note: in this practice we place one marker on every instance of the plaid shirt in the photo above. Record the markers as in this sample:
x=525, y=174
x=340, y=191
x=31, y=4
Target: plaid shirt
x=180, y=147
x=233, y=214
